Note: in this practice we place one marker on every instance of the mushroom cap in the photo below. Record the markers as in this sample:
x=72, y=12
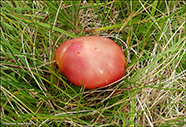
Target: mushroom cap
x=91, y=61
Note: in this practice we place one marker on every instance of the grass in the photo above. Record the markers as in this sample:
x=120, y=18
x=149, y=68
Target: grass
x=151, y=93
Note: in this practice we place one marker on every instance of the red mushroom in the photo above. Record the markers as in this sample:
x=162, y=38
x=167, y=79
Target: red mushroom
x=91, y=61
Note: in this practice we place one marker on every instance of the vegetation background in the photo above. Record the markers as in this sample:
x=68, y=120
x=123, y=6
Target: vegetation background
x=151, y=34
